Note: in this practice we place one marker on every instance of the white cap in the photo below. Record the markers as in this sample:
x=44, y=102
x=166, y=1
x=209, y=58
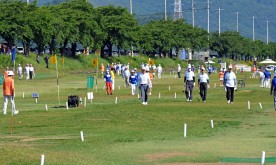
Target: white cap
x=10, y=73
x=230, y=66
x=143, y=68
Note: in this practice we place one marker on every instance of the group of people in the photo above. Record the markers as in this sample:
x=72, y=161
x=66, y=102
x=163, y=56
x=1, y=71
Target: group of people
x=28, y=70
x=8, y=91
x=227, y=79
x=265, y=77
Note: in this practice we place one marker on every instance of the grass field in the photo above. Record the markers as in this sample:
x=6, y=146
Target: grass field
x=130, y=133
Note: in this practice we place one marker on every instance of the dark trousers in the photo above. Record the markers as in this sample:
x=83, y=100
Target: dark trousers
x=144, y=92
x=203, y=91
x=178, y=74
x=31, y=75
x=230, y=93
x=189, y=90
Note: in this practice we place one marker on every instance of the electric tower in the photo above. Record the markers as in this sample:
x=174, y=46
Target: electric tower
x=177, y=10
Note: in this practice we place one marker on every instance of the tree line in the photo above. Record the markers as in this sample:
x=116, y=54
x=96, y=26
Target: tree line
x=77, y=21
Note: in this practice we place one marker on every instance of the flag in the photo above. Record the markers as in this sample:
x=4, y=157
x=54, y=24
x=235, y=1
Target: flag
x=13, y=53
x=62, y=60
x=53, y=59
x=95, y=62
x=151, y=61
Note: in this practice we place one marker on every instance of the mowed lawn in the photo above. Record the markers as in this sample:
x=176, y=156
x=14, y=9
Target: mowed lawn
x=130, y=133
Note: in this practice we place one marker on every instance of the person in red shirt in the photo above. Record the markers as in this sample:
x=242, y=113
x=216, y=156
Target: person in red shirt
x=221, y=75
x=8, y=92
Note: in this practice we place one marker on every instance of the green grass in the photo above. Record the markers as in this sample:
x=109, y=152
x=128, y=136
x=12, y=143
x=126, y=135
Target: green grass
x=130, y=133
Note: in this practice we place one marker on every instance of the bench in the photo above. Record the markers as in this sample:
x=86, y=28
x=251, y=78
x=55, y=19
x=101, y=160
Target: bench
x=241, y=82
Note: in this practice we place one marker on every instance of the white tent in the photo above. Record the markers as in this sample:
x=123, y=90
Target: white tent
x=209, y=62
x=268, y=61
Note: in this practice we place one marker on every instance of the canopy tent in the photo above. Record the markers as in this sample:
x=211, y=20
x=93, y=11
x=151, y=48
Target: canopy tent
x=209, y=62
x=268, y=61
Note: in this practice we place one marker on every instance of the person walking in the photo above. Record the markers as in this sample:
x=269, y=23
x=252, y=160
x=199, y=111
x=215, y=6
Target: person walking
x=108, y=82
x=133, y=82
x=273, y=88
x=20, y=72
x=189, y=81
x=221, y=75
x=8, y=92
x=27, y=71
x=46, y=59
x=203, y=84
x=230, y=83
x=267, y=76
x=179, y=70
x=262, y=78
x=159, y=71
x=126, y=76
x=31, y=71
x=144, y=81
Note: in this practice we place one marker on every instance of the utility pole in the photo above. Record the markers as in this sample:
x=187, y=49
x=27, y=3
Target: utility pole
x=177, y=10
x=193, y=13
x=253, y=27
x=166, y=10
x=208, y=15
x=267, y=32
x=28, y=2
x=238, y=21
x=130, y=7
x=219, y=17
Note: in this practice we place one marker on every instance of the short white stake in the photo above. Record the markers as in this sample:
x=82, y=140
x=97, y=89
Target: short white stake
x=212, y=124
x=175, y=95
x=67, y=107
x=84, y=101
x=35, y=100
x=116, y=100
x=261, y=105
x=159, y=95
x=174, y=76
x=42, y=160
x=215, y=85
x=263, y=158
x=46, y=107
x=81, y=100
x=119, y=87
x=249, y=105
x=81, y=135
x=169, y=88
x=23, y=95
x=185, y=130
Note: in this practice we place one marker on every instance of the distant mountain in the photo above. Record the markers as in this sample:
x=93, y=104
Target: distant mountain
x=262, y=10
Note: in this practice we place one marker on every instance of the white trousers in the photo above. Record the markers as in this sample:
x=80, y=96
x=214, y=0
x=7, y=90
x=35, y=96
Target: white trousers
x=6, y=100
x=267, y=83
x=133, y=89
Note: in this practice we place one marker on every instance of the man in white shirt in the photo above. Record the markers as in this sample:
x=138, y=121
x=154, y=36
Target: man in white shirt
x=262, y=78
x=203, y=84
x=144, y=81
x=126, y=76
x=230, y=83
x=20, y=72
x=159, y=71
x=189, y=81
x=178, y=70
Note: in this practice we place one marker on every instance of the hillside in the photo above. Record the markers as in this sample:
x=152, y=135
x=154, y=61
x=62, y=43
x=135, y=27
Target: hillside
x=146, y=10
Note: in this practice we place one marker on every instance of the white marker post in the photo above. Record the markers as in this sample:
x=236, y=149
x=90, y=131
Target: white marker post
x=263, y=158
x=35, y=100
x=175, y=95
x=185, y=130
x=23, y=95
x=215, y=85
x=81, y=100
x=46, y=107
x=169, y=88
x=67, y=107
x=42, y=160
x=116, y=100
x=261, y=105
x=248, y=105
x=119, y=87
x=81, y=135
x=84, y=101
x=138, y=95
x=212, y=124
x=159, y=95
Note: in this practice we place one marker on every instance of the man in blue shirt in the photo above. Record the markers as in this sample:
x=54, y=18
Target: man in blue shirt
x=133, y=82
x=108, y=83
x=273, y=88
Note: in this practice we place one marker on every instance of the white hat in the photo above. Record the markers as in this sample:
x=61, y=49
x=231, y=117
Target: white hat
x=147, y=69
x=143, y=68
x=10, y=73
x=189, y=66
x=230, y=66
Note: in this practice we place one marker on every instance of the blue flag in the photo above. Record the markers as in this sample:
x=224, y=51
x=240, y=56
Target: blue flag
x=13, y=53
